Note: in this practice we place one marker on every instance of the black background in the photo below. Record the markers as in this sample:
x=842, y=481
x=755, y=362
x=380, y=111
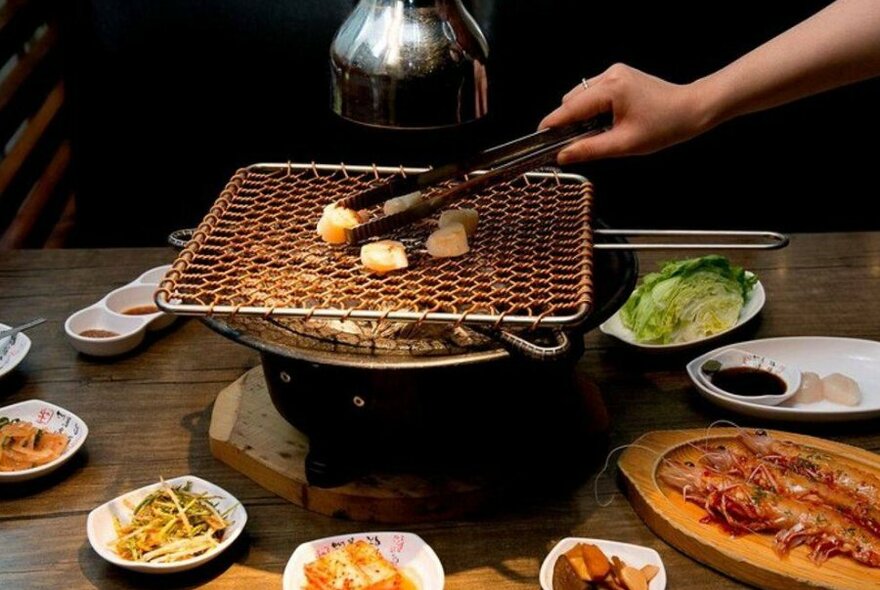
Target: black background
x=170, y=97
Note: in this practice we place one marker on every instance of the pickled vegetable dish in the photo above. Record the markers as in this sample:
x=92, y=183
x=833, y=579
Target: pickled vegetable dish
x=25, y=446
x=172, y=523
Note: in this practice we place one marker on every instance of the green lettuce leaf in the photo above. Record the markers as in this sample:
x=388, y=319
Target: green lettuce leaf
x=687, y=300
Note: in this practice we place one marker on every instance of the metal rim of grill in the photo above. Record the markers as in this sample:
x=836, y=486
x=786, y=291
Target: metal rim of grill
x=257, y=253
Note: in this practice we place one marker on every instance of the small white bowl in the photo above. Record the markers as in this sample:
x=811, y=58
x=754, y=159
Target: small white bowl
x=406, y=551
x=54, y=419
x=633, y=555
x=733, y=357
x=15, y=353
x=109, y=314
x=101, y=534
x=129, y=330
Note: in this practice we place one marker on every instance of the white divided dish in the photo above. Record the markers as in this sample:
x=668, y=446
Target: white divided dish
x=613, y=326
x=15, y=351
x=730, y=358
x=127, y=312
x=102, y=534
x=858, y=359
x=633, y=555
x=154, y=276
x=53, y=419
x=408, y=552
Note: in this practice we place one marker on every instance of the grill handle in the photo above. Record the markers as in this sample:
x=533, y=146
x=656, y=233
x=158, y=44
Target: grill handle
x=526, y=348
x=753, y=240
x=768, y=240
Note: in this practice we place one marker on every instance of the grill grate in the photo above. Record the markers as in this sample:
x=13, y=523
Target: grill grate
x=257, y=252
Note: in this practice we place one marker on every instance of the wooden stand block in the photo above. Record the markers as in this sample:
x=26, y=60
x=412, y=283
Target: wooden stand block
x=249, y=435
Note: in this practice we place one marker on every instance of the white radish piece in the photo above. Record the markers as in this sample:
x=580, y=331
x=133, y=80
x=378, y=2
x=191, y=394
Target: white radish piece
x=400, y=204
x=811, y=391
x=448, y=241
x=467, y=217
x=841, y=389
x=335, y=221
x=384, y=256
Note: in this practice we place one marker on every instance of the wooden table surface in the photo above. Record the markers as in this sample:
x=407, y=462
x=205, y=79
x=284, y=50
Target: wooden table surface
x=149, y=411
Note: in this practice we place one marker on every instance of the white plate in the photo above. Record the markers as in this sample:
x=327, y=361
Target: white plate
x=99, y=526
x=52, y=418
x=406, y=551
x=613, y=326
x=633, y=555
x=859, y=359
x=16, y=353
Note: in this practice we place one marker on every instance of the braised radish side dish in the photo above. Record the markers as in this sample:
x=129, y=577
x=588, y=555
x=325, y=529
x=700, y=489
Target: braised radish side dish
x=24, y=446
x=171, y=524
x=585, y=567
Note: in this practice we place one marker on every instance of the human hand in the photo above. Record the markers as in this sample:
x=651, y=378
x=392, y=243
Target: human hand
x=649, y=114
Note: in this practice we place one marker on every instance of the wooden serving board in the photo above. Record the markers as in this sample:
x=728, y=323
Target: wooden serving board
x=249, y=435
x=750, y=558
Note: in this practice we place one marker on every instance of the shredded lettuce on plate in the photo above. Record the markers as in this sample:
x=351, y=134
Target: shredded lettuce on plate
x=687, y=300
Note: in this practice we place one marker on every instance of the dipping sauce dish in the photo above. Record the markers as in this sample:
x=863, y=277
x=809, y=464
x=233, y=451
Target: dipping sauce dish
x=118, y=322
x=744, y=375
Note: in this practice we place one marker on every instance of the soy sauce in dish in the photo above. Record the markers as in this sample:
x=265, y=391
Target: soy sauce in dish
x=748, y=382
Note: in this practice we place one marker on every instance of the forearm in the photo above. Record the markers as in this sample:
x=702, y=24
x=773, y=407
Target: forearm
x=837, y=46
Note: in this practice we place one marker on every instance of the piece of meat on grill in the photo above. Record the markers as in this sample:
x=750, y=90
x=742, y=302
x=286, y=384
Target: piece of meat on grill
x=467, y=217
x=335, y=221
x=384, y=256
x=448, y=241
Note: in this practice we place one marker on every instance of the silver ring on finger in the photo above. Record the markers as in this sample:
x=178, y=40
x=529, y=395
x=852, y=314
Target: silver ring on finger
x=584, y=83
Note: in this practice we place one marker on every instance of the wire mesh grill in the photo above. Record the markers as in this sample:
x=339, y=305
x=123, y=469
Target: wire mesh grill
x=257, y=252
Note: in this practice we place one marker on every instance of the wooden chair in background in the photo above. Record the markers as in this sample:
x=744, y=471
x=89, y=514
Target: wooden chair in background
x=36, y=196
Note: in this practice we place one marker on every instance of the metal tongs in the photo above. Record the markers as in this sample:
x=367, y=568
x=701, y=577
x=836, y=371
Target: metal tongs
x=498, y=163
